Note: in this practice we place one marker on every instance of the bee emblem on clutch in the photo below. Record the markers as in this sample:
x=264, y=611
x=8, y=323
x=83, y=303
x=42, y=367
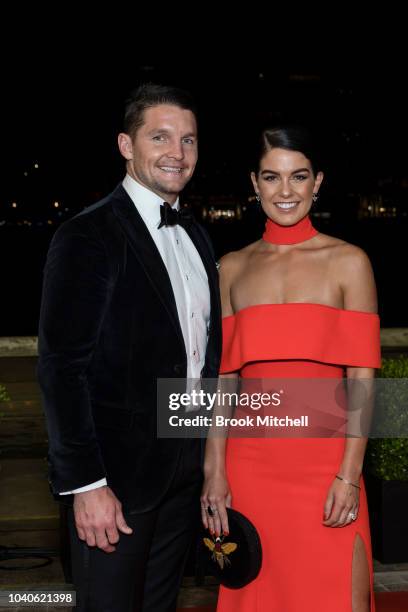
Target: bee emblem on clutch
x=220, y=550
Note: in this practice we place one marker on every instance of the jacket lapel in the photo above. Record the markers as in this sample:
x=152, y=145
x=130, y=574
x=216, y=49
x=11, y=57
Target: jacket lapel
x=144, y=247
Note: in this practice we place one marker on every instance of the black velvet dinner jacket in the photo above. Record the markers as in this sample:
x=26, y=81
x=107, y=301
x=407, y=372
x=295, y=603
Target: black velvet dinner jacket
x=108, y=329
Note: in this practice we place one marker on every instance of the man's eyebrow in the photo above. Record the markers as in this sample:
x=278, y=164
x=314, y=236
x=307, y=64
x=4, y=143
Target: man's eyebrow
x=158, y=131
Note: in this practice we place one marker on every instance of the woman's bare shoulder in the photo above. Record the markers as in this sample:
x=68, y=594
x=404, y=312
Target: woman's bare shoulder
x=344, y=252
x=235, y=259
x=351, y=266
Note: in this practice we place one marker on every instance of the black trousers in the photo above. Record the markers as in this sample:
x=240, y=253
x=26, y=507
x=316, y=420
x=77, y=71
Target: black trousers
x=145, y=572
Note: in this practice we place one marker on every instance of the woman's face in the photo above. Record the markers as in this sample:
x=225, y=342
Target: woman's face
x=286, y=183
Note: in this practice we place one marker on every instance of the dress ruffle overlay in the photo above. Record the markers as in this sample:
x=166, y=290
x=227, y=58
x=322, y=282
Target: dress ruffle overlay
x=281, y=483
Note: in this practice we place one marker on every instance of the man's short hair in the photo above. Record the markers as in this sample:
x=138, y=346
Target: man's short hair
x=148, y=95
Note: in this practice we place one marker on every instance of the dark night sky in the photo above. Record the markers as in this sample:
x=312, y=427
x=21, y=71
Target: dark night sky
x=65, y=73
x=68, y=118
x=65, y=76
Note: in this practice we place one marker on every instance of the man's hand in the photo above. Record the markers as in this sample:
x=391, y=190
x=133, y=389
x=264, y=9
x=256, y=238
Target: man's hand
x=99, y=518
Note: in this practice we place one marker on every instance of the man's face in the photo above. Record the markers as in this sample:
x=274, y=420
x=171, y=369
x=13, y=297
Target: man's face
x=163, y=154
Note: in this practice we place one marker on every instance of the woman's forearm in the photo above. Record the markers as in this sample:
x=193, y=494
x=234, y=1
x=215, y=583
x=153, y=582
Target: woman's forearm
x=353, y=458
x=214, y=462
x=360, y=400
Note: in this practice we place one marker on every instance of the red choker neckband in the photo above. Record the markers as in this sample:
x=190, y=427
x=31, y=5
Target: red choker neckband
x=289, y=234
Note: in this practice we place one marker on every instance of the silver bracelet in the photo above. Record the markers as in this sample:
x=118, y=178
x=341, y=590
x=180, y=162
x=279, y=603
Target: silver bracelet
x=348, y=482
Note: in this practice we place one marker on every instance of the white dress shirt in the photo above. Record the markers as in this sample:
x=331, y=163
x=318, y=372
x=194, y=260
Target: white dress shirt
x=188, y=279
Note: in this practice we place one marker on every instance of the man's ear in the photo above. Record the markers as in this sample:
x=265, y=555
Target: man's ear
x=125, y=146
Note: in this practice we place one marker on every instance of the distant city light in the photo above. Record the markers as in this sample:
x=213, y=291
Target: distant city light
x=14, y=205
x=221, y=213
x=49, y=222
x=322, y=214
x=56, y=204
x=36, y=166
x=25, y=173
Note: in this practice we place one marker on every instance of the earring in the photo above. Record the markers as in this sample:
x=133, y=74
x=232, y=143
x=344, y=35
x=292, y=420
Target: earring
x=258, y=197
x=315, y=197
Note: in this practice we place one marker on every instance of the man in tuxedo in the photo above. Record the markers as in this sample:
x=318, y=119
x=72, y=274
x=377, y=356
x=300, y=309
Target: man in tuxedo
x=130, y=295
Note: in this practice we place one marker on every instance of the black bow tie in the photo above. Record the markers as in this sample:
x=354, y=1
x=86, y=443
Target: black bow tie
x=171, y=216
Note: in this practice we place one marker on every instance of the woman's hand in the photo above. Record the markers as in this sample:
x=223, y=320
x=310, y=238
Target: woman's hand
x=215, y=498
x=341, y=504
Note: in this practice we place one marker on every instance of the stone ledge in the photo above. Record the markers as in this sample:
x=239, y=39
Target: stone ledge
x=394, y=337
x=18, y=346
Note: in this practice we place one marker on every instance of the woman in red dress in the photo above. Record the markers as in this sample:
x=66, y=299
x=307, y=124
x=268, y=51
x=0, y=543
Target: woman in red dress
x=296, y=304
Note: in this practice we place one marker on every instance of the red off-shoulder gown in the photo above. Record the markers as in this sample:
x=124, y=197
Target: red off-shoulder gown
x=281, y=484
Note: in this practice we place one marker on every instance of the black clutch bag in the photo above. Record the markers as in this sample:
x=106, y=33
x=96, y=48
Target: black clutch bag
x=235, y=560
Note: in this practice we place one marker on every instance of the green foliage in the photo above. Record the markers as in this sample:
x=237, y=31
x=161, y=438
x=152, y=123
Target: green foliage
x=387, y=458
x=394, y=367
x=4, y=396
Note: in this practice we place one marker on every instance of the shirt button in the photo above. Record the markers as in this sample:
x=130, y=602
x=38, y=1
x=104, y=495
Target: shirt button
x=194, y=353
